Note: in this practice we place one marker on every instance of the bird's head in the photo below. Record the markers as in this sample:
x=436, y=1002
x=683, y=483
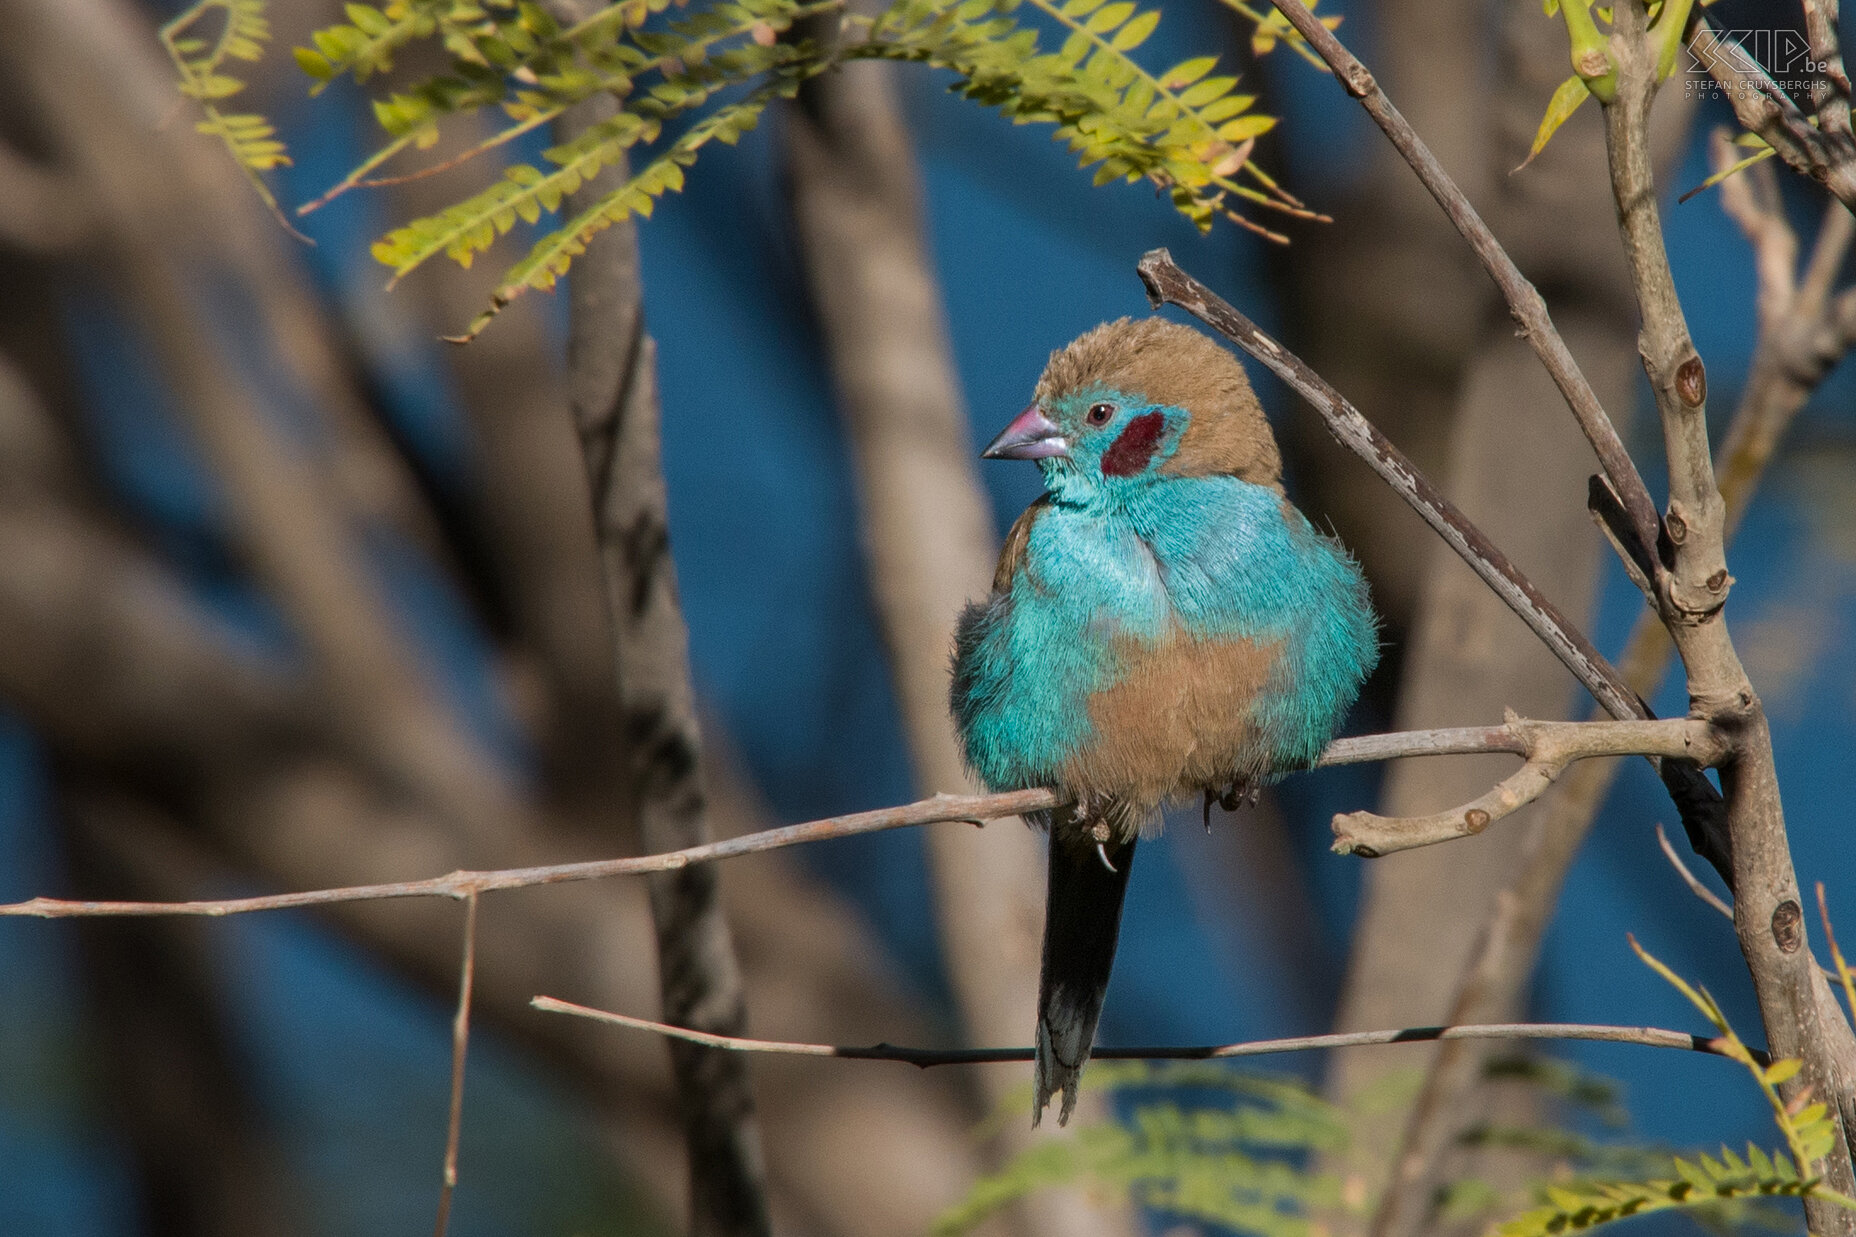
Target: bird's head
x=1133, y=402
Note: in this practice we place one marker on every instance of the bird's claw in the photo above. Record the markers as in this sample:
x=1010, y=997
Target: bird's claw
x=1102, y=854
x=1242, y=792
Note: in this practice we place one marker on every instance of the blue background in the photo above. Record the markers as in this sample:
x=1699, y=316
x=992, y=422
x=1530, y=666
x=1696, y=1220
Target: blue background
x=786, y=654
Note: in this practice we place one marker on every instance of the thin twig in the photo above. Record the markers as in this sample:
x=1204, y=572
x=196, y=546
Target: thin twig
x=1689, y=878
x=462, y=884
x=1751, y=199
x=1842, y=973
x=460, y=1047
x=1550, y=748
x=1652, y=1037
x=1167, y=283
x=1524, y=300
x=1830, y=93
x=1763, y=108
x=1448, y=741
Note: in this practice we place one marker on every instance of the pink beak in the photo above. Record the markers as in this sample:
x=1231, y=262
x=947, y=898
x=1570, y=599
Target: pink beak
x=1030, y=436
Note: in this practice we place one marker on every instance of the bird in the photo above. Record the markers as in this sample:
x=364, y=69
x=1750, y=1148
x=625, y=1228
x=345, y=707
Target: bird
x=1162, y=623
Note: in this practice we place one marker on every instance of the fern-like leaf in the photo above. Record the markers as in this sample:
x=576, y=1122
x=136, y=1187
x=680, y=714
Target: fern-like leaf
x=554, y=253
x=1187, y=130
x=1703, y=1182
x=1233, y=1163
x=1181, y=130
x=202, y=64
x=1809, y=1130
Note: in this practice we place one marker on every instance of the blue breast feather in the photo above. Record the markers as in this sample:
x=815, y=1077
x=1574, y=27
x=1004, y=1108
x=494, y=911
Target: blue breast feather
x=1214, y=556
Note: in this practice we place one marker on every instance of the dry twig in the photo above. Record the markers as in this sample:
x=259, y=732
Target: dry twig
x=1825, y=155
x=1651, y=1037
x=460, y=1049
x=1550, y=747
x=938, y=809
x=1524, y=300
x=1168, y=284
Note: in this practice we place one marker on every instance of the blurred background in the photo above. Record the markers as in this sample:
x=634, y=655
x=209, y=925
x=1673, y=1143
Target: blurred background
x=294, y=595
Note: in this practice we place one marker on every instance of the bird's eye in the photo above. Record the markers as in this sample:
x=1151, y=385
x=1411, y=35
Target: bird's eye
x=1100, y=413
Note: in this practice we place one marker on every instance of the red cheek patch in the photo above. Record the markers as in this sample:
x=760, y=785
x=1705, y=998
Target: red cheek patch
x=1134, y=447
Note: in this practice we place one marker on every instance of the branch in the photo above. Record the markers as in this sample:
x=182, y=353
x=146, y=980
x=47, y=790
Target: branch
x=1524, y=300
x=612, y=384
x=460, y=1047
x=1168, y=284
x=1796, y=1005
x=1503, y=960
x=1751, y=199
x=973, y=809
x=1830, y=93
x=1780, y=381
x=1549, y=748
x=1693, y=882
x=1651, y=1037
x=1763, y=108
x=462, y=884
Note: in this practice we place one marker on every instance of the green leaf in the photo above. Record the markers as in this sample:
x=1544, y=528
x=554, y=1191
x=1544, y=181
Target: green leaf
x=1187, y=72
x=1246, y=127
x=1565, y=101
x=1136, y=31
x=313, y=63
x=1207, y=90
x=1781, y=1072
x=1110, y=16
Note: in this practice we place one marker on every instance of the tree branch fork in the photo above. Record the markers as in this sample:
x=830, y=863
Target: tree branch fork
x=1547, y=748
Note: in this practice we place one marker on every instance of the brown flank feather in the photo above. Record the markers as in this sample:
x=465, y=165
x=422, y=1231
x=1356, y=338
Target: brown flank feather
x=1016, y=542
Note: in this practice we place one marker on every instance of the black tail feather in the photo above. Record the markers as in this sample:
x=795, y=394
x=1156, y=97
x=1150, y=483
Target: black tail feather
x=1081, y=921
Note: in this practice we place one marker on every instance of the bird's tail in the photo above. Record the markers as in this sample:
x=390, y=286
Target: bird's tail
x=1081, y=920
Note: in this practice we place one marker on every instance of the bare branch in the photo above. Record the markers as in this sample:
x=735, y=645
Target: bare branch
x=1524, y=300
x=1751, y=200
x=1549, y=747
x=1518, y=737
x=1830, y=93
x=1504, y=956
x=1167, y=283
x=1689, y=878
x=1763, y=108
x=460, y=1048
x=1651, y=1037
x=1796, y=1005
x=612, y=386
x=463, y=884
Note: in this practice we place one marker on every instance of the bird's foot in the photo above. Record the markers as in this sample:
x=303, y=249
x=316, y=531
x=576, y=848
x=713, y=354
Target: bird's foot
x=1242, y=792
x=1086, y=812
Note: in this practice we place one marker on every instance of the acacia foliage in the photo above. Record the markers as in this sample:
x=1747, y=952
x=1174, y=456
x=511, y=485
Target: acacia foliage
x=687, y=73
